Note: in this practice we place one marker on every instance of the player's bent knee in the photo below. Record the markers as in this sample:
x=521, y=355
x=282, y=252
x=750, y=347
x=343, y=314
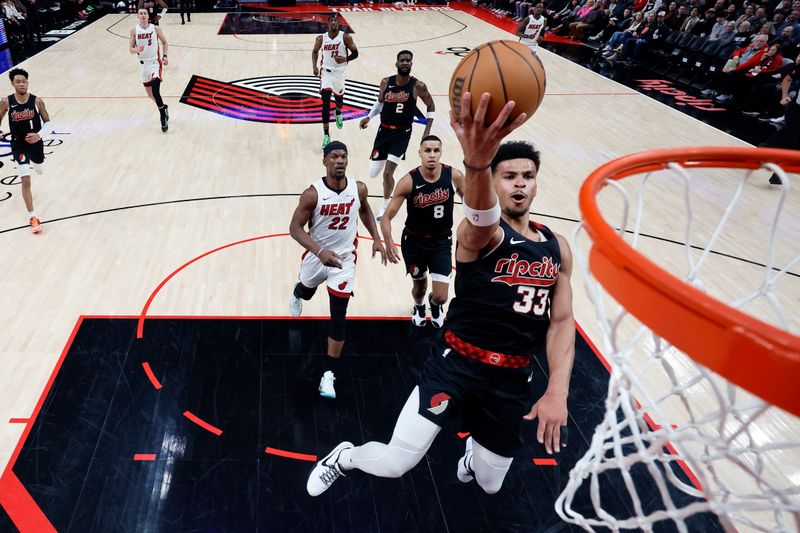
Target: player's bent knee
x=489, y=486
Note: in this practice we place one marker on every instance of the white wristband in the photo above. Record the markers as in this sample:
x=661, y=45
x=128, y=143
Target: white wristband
x=487, y=217
x=376, y=108
x=430, y=114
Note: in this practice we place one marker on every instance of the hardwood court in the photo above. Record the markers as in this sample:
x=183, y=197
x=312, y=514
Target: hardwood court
x=124, y=205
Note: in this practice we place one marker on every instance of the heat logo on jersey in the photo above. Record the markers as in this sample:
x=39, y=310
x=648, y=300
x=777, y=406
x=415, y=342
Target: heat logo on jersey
x=439, y=403
x=143, y=36
x=436, y=197
x=336, y=209
x=516, y=271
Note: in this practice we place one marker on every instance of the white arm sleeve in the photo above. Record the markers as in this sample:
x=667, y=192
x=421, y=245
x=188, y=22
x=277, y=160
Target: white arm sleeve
x=376, y=108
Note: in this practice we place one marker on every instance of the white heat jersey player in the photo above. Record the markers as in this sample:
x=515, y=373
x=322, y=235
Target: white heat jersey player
x=149, y=58
x=332, y=73
x=534, y=28
x=332, y=48
x=334, y=226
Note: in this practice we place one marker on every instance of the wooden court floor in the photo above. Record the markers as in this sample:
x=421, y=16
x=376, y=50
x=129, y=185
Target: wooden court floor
x=124, y=205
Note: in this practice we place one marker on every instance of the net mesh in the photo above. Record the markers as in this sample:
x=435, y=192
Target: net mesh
x=676, y=438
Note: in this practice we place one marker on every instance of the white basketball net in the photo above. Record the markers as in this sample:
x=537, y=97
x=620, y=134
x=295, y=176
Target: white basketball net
x=665, y=414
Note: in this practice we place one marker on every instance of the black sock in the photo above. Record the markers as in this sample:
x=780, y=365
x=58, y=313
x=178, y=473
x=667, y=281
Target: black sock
x=334, y=364
x=436, y=309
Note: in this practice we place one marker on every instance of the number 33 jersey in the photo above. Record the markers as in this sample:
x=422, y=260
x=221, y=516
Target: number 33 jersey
x=502, y=299
x=334, y=224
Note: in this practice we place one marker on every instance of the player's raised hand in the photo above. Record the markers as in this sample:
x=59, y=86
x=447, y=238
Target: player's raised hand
x=377, y=247
x=330, y=258
x=551, y=410
x=480, y=142
x=363, y=123
x=391, y=253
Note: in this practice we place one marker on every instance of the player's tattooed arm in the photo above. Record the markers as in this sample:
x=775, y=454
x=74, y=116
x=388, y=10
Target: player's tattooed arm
x=301, y=218
x=425, y=95
x=401, y=192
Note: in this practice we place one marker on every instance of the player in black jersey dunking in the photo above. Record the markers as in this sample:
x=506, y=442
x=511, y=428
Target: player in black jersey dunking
x=427, y=241
x=513, y=302
x=397, y=104
x=27, y=120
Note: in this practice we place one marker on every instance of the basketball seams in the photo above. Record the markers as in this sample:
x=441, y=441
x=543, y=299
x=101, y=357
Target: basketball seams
x=499, y=70
x=474, y=66
x=542, y=86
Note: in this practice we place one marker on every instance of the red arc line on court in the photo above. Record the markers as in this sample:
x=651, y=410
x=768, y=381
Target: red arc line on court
x=152, y=377
x=202, y=423
x=291, y=455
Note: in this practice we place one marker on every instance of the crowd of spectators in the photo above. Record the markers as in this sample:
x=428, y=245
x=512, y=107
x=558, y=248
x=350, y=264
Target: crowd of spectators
x=740, y=53
x=27, y=20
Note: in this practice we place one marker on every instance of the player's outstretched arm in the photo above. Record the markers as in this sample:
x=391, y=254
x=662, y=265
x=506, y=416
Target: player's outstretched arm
x=551, y=408
x=365, y=213
x=479, y=144
x=401, y=192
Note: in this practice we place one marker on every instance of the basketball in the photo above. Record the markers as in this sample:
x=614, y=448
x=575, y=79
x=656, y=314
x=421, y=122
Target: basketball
x=507, y=70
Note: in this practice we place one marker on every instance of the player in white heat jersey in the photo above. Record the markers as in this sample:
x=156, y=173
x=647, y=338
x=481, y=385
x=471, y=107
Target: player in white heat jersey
x=147, y=41
x=330, y=207
x=531, y=29
x=334, y=45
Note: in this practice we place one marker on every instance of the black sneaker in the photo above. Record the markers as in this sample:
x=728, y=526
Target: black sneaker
x=164, y=120
x=437, y=313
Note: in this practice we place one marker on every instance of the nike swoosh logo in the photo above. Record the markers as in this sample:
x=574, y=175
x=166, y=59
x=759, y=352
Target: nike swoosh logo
x=326, y=199
x=419, y=186
x=512, y=241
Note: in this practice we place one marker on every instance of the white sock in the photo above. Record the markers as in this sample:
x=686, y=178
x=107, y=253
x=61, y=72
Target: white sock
x=31, y=214
x=385, y=203
x=419, y=302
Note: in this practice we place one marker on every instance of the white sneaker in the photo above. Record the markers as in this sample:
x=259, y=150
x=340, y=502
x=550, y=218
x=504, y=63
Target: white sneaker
x=295, y=305
x=326, y=389
x=418, y=315
x=382, y=210
x=326, y=471
x=465, y=473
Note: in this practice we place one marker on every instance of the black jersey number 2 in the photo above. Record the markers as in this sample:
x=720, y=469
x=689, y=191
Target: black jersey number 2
x=533, y=299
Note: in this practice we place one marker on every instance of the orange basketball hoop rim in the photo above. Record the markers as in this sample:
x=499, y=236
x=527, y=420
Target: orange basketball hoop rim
x=753, y=355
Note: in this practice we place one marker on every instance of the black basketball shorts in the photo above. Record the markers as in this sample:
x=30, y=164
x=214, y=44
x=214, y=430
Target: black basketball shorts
x=390, y=142
x=491, y=400
x=25, y=153
x=423, y=254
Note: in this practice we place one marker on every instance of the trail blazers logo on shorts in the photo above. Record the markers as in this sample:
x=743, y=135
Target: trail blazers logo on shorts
x=439, y=403
x=278, y=99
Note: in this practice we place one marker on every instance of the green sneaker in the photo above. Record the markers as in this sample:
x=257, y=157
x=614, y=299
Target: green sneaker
x=339, y=120
x=326, y=140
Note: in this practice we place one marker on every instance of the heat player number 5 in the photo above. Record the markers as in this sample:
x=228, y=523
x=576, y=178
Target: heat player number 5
x=533, y=299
